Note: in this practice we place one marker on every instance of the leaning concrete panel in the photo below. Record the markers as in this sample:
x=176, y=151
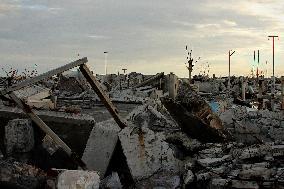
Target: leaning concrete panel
x=146, y=152
x=101, y=145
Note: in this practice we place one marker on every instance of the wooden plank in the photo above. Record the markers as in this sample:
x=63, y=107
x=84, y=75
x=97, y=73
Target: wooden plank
x=46, y=129
x=102, y=95
x=45, y=75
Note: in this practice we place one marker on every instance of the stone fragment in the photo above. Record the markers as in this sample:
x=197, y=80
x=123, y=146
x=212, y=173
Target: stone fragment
x=211, y=162
x=19, y=136
x=189, y=178
x=219, y=183
x=244, y=184
x=74, y=179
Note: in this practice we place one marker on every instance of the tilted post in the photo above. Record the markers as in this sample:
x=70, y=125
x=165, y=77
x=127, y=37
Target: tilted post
x=102, y=95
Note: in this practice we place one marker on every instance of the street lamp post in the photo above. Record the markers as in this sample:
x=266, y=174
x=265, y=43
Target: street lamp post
x=105, y=53
x=229, y=82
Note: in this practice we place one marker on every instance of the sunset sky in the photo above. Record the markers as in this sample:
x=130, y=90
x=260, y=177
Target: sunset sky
x=147, y=36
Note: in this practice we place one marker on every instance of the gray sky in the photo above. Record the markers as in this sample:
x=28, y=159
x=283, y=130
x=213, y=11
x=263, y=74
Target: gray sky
x=142, y=35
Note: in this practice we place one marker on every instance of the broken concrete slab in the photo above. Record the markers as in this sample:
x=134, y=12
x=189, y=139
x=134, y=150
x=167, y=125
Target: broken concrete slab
x=34, y=92
x=19, y=136
x=146, y=152
x=101, y=145
x=74, y=179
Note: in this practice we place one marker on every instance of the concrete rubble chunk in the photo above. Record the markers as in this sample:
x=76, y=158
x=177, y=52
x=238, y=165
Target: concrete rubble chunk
x=215, y=152
x=239, y=184
x=19, y=136
x=101, y=145
x=256, y=172
x=181, y=138
x=219, y=183
x=21, y=175
x=211, y=162
x=74, y=179
x=162, y=179
x=189, y=178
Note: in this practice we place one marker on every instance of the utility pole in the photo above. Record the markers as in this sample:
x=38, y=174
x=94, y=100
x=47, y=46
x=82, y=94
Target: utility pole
x=229, y=82
x=124, y=70
x=190, y=63
x=273, y=37
x=257, y=67
x=105, y=53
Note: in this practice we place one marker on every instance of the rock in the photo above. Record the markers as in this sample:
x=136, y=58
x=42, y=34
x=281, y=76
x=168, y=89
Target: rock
x=219, y=183
x=74, y=179
x=162, y=179
x=211, y=153
x=211, y=162
x=189, y=163
x=226, y=118
x=244, y=184
x=19, y=136
x=256, y=173
x=21, y=175
x=205, y=176
x=112, y=181
x=276, y=134
x=189, y=178
x=252, y=152
x=180, y=138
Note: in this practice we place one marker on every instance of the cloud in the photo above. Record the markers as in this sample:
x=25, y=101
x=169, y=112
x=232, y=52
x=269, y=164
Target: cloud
x=143, y=36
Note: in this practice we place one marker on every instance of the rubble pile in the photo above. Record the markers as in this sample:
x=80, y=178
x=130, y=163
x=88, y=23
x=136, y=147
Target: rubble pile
x=249, y=125
x=175, y=134
x=195, y=116
x=20, y=175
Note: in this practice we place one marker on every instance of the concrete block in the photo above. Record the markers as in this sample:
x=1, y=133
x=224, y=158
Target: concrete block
x=75, y=179
x=146, y=152
x=101, y=145
x=19, y=136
